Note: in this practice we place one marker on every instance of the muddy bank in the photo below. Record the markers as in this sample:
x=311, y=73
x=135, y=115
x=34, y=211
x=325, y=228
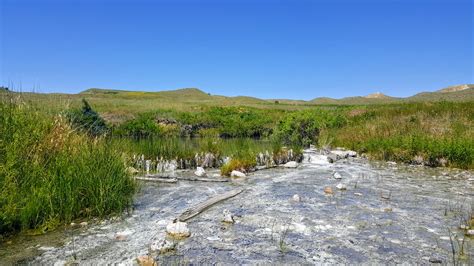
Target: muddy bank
x=386, y=214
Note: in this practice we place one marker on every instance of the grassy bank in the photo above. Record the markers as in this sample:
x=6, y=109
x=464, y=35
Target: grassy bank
x=51, y=174
x=436, y=134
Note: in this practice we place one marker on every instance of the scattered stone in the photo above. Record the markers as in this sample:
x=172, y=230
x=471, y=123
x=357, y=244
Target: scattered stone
x=332, y=158
x=162, y=246
x=236, y=173
x=83, y=224
x=328, y=190
x=387, y=209
x=291, y=164
x=200, y=172
x=296, y=198
x=435, y=260
x=337, y=175
x=178, y=229
x=352, y=153
x=228, y=217
x=146, y=261
x=341, y=186
x=358, y=194
x=470, y=232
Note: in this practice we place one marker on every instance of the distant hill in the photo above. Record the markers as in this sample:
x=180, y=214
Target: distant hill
x=457, y=88
x=457, y=93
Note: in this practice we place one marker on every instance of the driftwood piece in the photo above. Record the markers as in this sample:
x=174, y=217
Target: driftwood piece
x=200, y=179
x=157, y=179
x=195, y=210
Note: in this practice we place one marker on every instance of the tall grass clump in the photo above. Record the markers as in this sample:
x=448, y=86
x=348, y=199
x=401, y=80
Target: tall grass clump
x=51, y=174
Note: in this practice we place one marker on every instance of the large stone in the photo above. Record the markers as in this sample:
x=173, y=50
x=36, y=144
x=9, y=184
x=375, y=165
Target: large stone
x=341, y=186
x=236, y=173
x=200, y=172
x=470, y=232
x=178, y=229
x=337, y=175
x=291, y=164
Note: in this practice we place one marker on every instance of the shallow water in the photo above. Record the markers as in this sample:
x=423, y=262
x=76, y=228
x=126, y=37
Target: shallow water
x=388, y=214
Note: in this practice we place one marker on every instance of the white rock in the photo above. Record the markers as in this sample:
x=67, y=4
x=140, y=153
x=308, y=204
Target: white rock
x=200, y=172
x=470, y=232
x=178, y=229
x=228, y=217
x=296, y=198
x=162, y=246
x=291, y=164
x=337, y=175
x=341, y=186
x=351, y=153
x=236, y=173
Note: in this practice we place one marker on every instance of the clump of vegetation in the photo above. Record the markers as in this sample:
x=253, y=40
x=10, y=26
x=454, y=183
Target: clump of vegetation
x=302, y=128
x=87, y=120
x=242, y=165
x=51, y=174
x=143, y=126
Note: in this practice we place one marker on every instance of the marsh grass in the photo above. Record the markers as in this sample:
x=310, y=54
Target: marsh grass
x=51, y=174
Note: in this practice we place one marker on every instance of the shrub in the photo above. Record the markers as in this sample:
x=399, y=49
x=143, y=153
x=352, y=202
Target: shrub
x=299, y=129
x=87, y=120
x=143, y=126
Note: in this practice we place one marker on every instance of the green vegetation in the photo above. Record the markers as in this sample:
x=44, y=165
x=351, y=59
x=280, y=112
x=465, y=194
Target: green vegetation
x=60, y=164
x=87, y=120
x=437, y=133
x=51, y=174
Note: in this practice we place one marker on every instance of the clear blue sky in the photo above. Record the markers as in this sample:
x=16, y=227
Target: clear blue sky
x=268, y=49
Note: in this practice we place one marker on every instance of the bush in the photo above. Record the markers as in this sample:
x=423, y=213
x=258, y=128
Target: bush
x=143, y=126
x=51, y=174
x=298, y=129
x=87, y=120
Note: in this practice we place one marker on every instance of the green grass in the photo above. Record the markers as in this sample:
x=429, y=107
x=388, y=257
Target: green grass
x=51, y=174
x=400, y=132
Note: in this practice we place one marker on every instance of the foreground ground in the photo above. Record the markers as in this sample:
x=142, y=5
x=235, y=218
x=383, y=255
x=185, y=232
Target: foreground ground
x=388, y=214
